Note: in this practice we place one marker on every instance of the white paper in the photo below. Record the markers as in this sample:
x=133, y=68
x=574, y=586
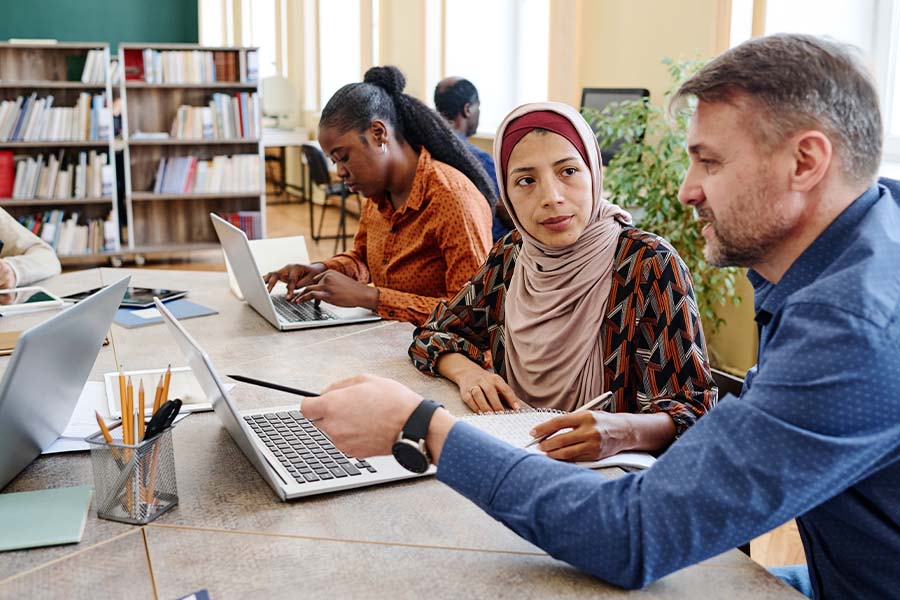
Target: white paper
x=146, y=313
x=182, y=385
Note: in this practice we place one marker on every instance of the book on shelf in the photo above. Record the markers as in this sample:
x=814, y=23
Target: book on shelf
x=68, y=237
x=7, y=173
x=33, y=119
x=189, y=175
x=149, y=135
x=61, y=177
x=94, y=67
x=249, y=221
x=225, y=117
x=252, y=66
x=182, y=66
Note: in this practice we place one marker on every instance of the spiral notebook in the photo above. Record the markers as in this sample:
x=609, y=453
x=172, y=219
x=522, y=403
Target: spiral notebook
x=512, y=426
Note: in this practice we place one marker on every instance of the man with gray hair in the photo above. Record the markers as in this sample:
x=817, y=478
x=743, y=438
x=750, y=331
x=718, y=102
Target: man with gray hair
x=785, y=143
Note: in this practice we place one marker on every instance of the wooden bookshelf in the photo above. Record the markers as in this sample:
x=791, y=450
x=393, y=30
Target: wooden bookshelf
x=179, y=222
x=55, y=69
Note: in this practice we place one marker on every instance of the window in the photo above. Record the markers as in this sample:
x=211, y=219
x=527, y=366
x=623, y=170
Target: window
x=339, y=46
x=260, y=27
x=502, y=47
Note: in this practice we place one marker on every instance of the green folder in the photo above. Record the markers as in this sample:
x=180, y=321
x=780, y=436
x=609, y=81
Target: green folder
x=43, y=518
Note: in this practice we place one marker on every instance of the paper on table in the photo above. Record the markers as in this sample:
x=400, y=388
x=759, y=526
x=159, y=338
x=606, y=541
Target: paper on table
x=83, y=422
x=182, y=385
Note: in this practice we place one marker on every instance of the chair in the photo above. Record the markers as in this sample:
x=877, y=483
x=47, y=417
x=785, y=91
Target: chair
x=319, y=176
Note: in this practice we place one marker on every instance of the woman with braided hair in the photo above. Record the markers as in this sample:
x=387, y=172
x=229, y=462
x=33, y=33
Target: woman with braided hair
x=427, y=225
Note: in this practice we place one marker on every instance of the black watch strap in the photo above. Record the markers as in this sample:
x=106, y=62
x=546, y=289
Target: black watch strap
x=416, y=427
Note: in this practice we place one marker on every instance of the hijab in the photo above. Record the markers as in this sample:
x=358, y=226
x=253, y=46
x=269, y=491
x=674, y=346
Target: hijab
x=557, y=297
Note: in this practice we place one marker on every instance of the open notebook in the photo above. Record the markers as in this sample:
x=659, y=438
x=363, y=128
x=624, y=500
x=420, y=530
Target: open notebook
x=512, y=426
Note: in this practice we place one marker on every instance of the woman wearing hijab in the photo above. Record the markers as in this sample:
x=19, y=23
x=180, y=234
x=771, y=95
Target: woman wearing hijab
x=574, y=302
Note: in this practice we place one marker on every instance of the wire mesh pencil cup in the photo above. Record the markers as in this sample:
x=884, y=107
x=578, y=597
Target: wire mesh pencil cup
x=133, y=483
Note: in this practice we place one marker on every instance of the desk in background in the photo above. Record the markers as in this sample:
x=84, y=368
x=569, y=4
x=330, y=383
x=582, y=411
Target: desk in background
x=284, y=139
x=231, y=535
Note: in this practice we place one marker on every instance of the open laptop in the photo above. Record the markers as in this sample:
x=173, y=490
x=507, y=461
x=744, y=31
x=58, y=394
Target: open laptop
x=274, y=307
x=46, y=375
x=294, y=457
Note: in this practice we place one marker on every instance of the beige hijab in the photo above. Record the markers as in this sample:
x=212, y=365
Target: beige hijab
x=557, y=297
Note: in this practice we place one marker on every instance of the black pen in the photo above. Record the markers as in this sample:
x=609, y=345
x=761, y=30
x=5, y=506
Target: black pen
x=273, y=386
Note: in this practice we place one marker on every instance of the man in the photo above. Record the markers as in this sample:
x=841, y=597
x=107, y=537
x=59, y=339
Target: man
x=457, y=101
x=785, y=144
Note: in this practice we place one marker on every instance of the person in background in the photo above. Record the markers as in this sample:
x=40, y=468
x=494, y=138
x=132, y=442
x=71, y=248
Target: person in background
x=24, y=257
x=457, y=101
x=785, y=145
x=573, y=303
x=427, y=225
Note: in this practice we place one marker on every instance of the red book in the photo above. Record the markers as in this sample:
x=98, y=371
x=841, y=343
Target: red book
x=7, y=173
x=134, y=65
x=240, y=116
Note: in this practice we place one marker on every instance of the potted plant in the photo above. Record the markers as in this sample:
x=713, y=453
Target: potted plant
x=644, y=176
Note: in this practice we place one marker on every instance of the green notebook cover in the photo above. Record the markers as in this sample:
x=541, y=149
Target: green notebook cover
x=44, y=517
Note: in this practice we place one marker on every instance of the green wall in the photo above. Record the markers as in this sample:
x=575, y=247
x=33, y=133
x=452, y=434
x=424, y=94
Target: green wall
x=113, y=21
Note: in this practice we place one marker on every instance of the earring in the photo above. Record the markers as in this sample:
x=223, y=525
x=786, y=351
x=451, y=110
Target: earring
x=383, y=148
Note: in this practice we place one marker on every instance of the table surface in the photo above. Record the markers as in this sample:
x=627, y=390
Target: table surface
x=231, y=535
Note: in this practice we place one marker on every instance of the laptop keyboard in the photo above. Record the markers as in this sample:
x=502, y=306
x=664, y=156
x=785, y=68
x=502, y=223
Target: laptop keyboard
x=298, y=313
x=305, y=452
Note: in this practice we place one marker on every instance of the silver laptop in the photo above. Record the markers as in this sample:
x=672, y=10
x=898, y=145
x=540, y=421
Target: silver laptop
x=274, y=307
x=46, y=375
x=294, y=457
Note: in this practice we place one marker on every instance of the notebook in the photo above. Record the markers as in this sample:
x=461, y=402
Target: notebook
x=43, y=518
x=512, y=426
x=139, y=317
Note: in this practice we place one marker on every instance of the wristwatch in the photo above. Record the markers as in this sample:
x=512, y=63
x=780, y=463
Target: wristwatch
x=409, y=449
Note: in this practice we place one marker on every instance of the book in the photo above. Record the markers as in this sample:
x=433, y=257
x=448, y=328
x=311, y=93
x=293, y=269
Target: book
x=43, y=517
x=7, y=173
x=139, y=317
x=512, y=426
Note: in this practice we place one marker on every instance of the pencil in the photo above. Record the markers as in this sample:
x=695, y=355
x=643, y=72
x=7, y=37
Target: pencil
x=583, y=407
x=140, y=418
x=103, y=428
x=128, y=415
x=122, y=400
x=157, y=400
x=166, y=380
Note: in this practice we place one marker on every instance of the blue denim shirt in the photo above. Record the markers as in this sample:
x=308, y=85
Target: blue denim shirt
x=498, y=229
x=815, y=435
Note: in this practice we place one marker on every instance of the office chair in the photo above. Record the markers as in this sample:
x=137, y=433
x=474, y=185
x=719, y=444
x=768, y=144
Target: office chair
x=319, y=176
x=599, y=98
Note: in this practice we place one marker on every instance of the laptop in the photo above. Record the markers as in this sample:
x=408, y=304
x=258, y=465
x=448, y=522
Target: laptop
x=46, y=376
x=291, y=454
x=274, y=307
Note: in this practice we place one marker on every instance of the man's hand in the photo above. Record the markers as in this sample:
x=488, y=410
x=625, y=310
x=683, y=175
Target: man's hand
x=340, y=290
x=295, y=276
x=363, y=416
x=7, y=276
x=594, y=435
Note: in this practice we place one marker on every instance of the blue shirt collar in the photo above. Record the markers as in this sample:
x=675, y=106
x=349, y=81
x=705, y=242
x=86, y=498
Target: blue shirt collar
x=769, y=297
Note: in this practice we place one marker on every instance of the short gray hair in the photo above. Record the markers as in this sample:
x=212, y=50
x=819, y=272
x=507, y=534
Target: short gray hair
x=800, y=82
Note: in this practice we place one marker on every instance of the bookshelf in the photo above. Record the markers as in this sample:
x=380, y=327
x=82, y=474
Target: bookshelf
x=57, y=169
x=197, y=109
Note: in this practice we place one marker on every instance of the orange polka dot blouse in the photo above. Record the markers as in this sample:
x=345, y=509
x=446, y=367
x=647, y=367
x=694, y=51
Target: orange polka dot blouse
x=425, y=251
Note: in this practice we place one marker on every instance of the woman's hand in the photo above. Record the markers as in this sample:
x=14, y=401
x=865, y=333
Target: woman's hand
x=596, y=434
x=340, y=290
x=295, y=276
x=593, y=435
x=480, y=390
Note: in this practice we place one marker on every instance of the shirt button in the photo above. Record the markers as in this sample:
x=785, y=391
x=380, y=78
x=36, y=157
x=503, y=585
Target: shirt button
x=392, y=313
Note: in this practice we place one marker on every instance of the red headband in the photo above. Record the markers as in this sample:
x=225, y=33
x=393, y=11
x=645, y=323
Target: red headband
x=541, y=119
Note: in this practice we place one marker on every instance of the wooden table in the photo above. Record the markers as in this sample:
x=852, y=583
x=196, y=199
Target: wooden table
x=231, y=535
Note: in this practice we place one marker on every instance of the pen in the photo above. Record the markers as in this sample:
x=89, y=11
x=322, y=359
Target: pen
x=274, y=386
x=583, y=407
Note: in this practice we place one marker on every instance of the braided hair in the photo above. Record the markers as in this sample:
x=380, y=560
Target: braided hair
x=380, y=96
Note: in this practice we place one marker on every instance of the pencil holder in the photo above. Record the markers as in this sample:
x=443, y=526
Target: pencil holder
x=133, y=483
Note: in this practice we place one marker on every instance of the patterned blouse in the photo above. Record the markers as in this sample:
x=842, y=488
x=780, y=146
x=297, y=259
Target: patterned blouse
x=653, y=348
x=425, y=251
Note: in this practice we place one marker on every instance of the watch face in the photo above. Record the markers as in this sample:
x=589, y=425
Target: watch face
x=409, y=456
